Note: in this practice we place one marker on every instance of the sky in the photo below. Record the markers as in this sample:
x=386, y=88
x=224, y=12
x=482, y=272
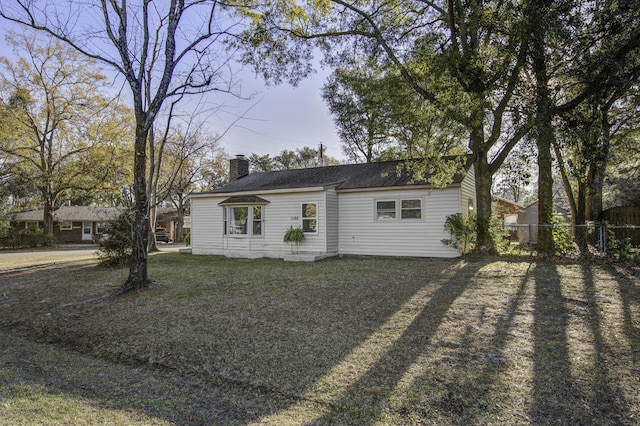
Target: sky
x=276, y=118
x=282, y=117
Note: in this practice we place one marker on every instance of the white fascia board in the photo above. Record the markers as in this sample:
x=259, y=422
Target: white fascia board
x=259, y=192
x=397, y=188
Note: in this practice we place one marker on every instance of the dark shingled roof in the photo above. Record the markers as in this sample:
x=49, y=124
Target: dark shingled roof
x=347, y=176
x=71, y=213
x=247, y=199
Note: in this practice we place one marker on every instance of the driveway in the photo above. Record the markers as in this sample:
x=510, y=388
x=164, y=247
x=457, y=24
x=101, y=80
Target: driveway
x=59, y=253
x=13, y=259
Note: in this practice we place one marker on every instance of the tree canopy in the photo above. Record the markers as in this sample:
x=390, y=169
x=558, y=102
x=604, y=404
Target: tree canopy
x=492, y=67
x=302, y=158
x=67, y=133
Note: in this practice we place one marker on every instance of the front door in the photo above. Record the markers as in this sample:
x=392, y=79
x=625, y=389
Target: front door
x=87, y=231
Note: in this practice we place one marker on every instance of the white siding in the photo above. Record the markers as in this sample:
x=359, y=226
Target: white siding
x=331, y=198
x=285, y=210
x=282, y=211
x=361, y=233
x=468, y=191
x=206, y=226
x=346, y=224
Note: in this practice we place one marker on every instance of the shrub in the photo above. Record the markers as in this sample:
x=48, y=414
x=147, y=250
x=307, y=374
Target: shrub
x=462, y=229
x=187, y=239
x=562, y=238
x=621, y=249
x=33, y=237
x=117, y=245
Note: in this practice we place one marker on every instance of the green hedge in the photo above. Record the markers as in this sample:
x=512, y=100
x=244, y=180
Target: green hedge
x=33, y=237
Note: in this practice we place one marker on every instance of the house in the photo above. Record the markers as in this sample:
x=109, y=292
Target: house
x=167, y=218
x=71, y=224
x=355, y=209
x=506, y=211
x=528, y=221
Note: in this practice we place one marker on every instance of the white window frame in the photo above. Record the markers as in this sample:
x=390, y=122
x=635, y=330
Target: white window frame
x=303, y=218
x=398, y=209
x=86, y=228
x=250, y=222
x=65, y=225
x=403, y=209
x=259, y=220
x=377, y=211
x=100, y=227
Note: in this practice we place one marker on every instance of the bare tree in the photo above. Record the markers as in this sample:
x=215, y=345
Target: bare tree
x=186, y=150
x=160, y=48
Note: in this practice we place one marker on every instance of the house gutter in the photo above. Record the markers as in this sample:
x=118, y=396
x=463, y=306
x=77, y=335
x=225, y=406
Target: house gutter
x=318, y=189
x=397, y=188
x=258, y=191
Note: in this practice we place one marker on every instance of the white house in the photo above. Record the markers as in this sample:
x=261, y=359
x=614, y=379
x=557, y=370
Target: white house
x=355, y=209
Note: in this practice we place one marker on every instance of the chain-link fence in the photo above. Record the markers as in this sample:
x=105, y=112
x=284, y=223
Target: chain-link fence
x=594, y=238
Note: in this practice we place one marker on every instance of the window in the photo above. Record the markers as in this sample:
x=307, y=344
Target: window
x=31, y=225
x=65, y=225
x=236, y=220
x=411, y=209
x=407, y=209
x=257, y=220
x=310, y=217
x=385, y=209
x=86, y=228
x=100, y=227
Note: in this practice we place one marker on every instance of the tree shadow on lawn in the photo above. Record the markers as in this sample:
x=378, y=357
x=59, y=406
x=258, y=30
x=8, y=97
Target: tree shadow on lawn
x=194, y=398
x=267, y=348
x=356, y=391
x=628, y=279
x=510, y=358
x=571, y=383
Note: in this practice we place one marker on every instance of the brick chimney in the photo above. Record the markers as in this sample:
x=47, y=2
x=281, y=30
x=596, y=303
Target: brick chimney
x=238, y=167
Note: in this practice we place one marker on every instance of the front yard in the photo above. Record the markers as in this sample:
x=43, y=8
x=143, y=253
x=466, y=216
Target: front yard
x=342, y=341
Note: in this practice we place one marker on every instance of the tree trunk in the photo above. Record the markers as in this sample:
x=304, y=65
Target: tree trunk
x=485, y=243
x=597, y=170
x=576, y=201
x=545, y=134
x=48, y=216
x=153, y=223
x=180, y=225
x=138, y=274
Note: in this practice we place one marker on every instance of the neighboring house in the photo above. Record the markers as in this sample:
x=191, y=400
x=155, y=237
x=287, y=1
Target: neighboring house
x=356, y=209
x=529, y=216
x=506, y=211
x=503, y=208
x=71, y=224
x=167, y=218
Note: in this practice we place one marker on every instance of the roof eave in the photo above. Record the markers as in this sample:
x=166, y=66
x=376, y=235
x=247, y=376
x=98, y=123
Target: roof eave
x=258, y=191
x=398, y=188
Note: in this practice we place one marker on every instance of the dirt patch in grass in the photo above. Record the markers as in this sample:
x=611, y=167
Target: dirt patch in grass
x=343, y=341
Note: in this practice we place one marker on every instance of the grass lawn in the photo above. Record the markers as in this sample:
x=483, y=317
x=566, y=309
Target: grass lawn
x=357, y=341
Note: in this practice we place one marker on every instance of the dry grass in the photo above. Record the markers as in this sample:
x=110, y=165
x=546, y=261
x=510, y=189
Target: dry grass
x=343, y=341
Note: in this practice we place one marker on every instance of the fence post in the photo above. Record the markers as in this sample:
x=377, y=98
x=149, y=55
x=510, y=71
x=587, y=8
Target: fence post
x=603, y=240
